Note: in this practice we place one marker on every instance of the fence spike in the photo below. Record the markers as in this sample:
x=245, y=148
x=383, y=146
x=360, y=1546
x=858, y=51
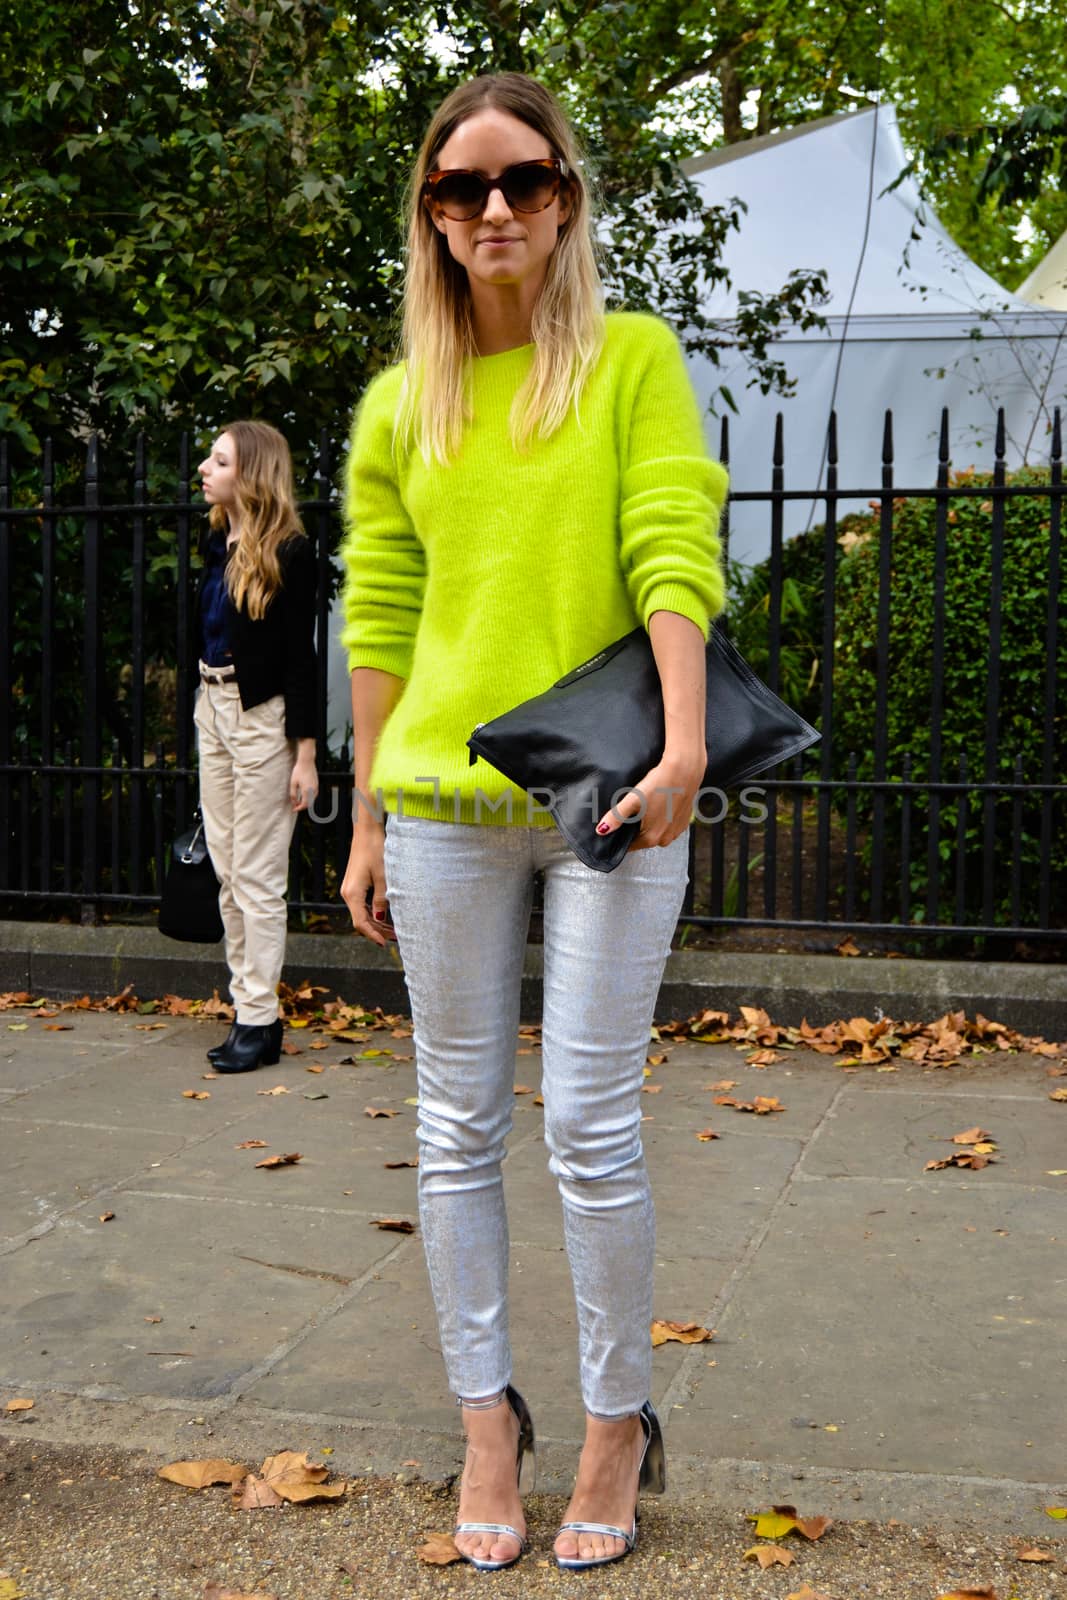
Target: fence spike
x=724, y=441
x=831, y=445
x=998, y=448
x=942, y=443
x=887, y=440
x=778, y=457
x=1057, y=437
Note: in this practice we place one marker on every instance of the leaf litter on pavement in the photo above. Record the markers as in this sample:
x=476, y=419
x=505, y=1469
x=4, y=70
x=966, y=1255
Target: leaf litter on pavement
x=286, y=1476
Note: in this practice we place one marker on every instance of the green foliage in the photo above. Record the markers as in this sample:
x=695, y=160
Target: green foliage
x=967, y=671
x=909, y=706
x=199, y=205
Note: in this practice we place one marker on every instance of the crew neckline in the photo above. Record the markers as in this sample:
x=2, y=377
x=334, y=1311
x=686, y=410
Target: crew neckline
x=499, y=355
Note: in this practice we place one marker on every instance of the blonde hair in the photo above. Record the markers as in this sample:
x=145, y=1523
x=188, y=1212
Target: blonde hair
x=267, y=511
x=438, y=337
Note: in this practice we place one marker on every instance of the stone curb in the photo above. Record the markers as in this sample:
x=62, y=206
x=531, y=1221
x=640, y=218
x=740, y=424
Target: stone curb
x=63, y=961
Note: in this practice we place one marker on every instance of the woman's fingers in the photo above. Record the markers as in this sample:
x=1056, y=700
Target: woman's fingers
x=303, y=787
x=632, y=805
x=364, y=893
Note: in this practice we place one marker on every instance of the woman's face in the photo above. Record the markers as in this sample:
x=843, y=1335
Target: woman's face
x=500, y=247
x=218, y=473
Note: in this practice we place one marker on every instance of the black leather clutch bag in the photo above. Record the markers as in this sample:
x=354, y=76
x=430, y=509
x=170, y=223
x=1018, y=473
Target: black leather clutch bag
x=578, y=746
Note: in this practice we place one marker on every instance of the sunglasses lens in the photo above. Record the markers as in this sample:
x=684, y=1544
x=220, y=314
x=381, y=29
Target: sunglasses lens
x=461, y=195
x=530, y=188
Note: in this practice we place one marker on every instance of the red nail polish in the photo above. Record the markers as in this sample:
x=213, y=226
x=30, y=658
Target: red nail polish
x=603, y=827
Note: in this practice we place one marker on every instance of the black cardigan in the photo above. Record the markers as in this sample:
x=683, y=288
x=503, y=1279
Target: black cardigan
x=276, y=654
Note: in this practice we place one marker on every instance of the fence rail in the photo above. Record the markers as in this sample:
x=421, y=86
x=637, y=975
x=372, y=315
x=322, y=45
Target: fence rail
x=958, y=846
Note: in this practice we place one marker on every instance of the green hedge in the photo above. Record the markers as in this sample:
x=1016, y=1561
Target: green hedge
x=1023, y=676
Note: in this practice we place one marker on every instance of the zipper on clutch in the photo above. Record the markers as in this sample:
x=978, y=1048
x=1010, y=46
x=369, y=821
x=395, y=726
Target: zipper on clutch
x=474, y=754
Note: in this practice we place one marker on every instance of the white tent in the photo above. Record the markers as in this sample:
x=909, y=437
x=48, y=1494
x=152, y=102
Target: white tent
x=913, y=323
x=1047, y=284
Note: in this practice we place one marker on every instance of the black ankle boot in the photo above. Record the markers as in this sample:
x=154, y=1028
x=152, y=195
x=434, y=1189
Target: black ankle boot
x=220, y=1049
x=252, y=1046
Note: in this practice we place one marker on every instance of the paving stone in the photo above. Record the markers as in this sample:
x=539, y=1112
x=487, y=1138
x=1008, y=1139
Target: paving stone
x=231, y=1283
x=930, y=1348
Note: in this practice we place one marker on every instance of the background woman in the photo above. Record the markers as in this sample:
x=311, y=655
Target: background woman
x=527, y=486
x=255, y=716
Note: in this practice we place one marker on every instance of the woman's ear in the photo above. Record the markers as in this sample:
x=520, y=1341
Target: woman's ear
x=565, y=203
x=434, y=215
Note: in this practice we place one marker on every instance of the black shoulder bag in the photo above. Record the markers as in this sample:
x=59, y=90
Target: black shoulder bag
x=189, y=909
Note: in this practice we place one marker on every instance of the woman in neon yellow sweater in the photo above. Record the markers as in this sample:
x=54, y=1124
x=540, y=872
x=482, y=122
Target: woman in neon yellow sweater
x=529, y=484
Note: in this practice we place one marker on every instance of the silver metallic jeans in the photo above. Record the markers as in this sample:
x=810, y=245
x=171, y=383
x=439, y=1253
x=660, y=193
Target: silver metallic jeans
x=460, y=897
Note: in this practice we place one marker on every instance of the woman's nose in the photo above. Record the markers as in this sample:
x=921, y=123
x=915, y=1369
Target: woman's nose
x=497, y=208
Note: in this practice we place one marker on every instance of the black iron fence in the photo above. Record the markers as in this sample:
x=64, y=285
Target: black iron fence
x=920, y=824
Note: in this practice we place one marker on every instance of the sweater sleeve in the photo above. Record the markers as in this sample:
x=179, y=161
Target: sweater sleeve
x=672, y=493
x=384, y=561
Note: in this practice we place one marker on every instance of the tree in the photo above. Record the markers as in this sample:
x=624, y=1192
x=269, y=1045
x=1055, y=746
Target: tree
x=199, y=202
x=205, y=212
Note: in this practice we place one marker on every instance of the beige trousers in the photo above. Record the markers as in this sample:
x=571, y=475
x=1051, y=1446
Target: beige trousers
x=246, y=762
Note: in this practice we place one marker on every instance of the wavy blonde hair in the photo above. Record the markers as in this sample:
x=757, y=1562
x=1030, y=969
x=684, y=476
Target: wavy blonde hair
x=438, y=336
x=267, y=514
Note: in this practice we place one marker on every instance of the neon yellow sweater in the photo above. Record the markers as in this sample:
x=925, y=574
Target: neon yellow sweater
x=482, y=582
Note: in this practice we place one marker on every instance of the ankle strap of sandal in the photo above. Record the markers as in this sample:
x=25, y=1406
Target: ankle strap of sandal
x=482, y=1405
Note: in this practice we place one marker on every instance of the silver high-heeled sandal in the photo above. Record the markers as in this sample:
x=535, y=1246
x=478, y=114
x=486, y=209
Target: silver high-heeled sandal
x=651, y=1476
x=525, y=1467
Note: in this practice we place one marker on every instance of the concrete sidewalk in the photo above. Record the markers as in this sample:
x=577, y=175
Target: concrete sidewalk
x=889, y=1341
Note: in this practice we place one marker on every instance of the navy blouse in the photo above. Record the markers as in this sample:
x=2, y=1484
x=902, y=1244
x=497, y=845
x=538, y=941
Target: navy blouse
x=216, y=607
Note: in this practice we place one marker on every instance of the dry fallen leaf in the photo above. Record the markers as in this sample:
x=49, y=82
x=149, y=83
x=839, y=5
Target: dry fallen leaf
x=196, y=1094
x=19, y=1405
x=68, y=1027
x=281, y=1161
x=847, y=947
x=252, y=1494
x=705, y=1134
x=199, y=1474
x=969, y=1594
x=806, y=1592
x=251, y=1144
x=393, y=1224
x=652, y=1088
x=522, y=1088
x=764, y=1058
x=971, y=1136
x=393, y=1166
x=761, y=1104
x=291, y=1475
x=1058, y=1094
x=780, y=1520
x=657, y=1061
x=439, y=1550
x=724, y=1084
x=769, y=1554
x=107, y=1216
x=679, y=1333
x=973, y=1159
x=379, y=1111
x=279, y=1088
x=153, y=1319
x=1034, y=1554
